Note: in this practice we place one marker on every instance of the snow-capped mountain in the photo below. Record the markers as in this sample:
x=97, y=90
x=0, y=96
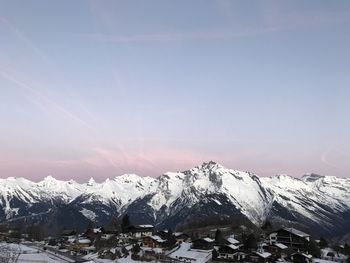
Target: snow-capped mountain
x=320, y=203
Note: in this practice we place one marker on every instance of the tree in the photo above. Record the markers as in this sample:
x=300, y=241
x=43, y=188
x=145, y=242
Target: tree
x=125, y=223
x=312, y=248
x=347, y=249
x=136, y=249
x=323, y=243
x=214, y=254
x=251, y=242
x=267, y=227
x=348, y=260
x=9, y=254
x=219, y=237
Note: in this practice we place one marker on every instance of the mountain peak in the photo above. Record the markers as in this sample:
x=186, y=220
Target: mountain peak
x=211, y=165
x=91, y=182
x=311, y=177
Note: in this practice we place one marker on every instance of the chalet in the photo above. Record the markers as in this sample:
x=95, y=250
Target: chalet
x=92, y=233
x=87, y=250
x=68, y=234
x=153, y=242
x=139, y=231
x=79, y=244
x=181, y=237
x=290, y=237
x=149, y=254
x=203, y=243
x=227, y=253
x=278, y=249
x=231, y=240
x=260, y=257
x=299, y=257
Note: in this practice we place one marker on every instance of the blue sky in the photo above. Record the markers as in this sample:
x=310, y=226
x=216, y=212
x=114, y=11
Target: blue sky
x=101, y=88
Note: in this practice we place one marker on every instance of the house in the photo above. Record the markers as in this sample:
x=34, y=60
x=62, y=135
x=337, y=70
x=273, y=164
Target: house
x=139, y=231
x=92, y=233
x=228, y=253
x=153, y=242
x=180, y=236
x=68, y=233
x=149, y=254
x=231, y=240
x=185, y=254
x=80, y=243
x=260, y=257
x=299, y=257
x=290, y=237
x=203, y=243
x=278, y=250
x=87, y=250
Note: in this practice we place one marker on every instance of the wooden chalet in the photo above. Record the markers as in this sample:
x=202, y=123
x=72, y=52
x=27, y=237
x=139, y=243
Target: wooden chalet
x=203, y=243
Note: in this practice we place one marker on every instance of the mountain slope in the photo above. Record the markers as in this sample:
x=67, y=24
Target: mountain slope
x=319, y=203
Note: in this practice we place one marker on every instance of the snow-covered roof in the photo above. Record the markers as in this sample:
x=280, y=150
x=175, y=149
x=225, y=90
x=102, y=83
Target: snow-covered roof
x=303, y=254
x=280, y=245
x=233, y=247
x=233, y=241
x=145, y=226
x=296, y=232
x=97, y=230
x=89, y=248
x=185, y=252
x=157, y=238
x=263, y=254
x=84, y=241
x=207, y=239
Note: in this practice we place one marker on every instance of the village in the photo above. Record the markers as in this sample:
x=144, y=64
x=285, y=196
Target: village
x=137, y=243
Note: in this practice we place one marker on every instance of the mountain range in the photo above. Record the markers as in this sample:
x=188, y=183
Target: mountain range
x=320, y=204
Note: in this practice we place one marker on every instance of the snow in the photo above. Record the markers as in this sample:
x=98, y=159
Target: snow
x=263, y=254
x=296, y=232
x=311, y=196
x=280, y=245
x=185, y=252
x=88, y=214
x=30, y=254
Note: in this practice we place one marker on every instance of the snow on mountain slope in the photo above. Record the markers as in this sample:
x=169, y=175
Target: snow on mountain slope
x=208, y=188
x=241, y=188
x=333, y=187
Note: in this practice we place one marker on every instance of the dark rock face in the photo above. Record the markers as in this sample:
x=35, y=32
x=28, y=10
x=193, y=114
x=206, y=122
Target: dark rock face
x=318, y=204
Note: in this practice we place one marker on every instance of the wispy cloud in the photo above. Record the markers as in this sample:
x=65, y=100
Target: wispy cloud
x=181, y=36
x=22, y=37
x=44, y=101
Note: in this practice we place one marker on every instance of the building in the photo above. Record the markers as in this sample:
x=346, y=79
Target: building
x=260, y=257
x=203, y=243
x=278, y=249
x=139, y=231
x=153, y=242
x=290, y=237
x=87, y=250
x=230, y=253
x=299, y=257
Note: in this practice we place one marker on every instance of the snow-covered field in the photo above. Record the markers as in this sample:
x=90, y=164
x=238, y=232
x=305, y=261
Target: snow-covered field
x=32, y=254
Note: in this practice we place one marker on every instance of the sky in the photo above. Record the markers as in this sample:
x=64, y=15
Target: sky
x=102, y=88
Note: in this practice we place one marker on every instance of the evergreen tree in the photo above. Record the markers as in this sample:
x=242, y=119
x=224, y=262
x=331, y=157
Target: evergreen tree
x=312, y=248
x=125, y=223
x=347, y=249
x=219, y=238
x=323, y=243
x=214, y=254
x=251, y=242
x=136, y=249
